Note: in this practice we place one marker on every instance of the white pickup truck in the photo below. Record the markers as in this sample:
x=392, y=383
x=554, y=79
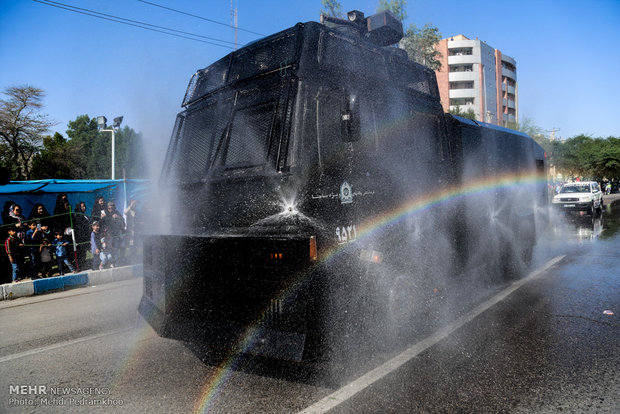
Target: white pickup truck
x=579, y=196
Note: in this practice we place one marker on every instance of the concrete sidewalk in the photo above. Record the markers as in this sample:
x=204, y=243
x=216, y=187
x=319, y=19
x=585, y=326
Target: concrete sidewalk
x=58, y=283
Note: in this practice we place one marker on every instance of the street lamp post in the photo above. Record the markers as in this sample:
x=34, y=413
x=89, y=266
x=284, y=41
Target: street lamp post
x=102, y=125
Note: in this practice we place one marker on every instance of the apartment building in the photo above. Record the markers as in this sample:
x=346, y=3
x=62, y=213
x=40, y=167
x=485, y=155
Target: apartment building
x=476, y=76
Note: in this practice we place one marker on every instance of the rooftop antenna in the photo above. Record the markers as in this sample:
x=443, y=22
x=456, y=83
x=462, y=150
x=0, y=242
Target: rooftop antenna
x=233, y=20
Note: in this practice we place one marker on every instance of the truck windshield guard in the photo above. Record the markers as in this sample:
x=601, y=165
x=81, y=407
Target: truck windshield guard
x=248, y=141
x=275, y=53
x=232, y=130
x=192, y=148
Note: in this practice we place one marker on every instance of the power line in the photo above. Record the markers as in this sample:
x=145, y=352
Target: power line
x=127, y=21
x=135, y=23
x=199, y=17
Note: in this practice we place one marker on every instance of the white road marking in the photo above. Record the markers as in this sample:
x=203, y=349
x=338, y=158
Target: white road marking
x=349, y=390
x=62, y=344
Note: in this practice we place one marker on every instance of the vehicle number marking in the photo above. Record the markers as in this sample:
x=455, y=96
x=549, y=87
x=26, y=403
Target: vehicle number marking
x=569, y=205
x=346, y=234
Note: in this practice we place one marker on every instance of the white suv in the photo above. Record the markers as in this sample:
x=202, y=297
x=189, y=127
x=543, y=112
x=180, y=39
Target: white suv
x=584, y=195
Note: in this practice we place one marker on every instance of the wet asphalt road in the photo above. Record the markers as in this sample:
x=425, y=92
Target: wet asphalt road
x=548, y=346
x=553, y=345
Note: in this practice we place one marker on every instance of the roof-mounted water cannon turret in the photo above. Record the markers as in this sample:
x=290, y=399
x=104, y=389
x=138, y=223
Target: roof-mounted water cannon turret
x=383, y=28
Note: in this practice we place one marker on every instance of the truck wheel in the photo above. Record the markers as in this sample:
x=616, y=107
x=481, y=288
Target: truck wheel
x=591, y=208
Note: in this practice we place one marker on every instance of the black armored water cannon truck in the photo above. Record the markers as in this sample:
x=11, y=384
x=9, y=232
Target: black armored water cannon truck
x=327, y=199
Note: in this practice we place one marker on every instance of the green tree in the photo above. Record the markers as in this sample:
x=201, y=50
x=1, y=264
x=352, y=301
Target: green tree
x=331, y=8
x=572, y=156
x=130, y=161
x=92, y=145
x=21, y=128
x=397, y=7
x=58, y=159
x=608, y=158
x=601, y=158
x=469, y=113
x=95, y=149
x=420, y=45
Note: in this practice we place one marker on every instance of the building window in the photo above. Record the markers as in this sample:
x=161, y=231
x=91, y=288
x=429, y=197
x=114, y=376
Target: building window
x=461, y=101
x=462, y=85
x=460, y=51
x=509, y=66
x=461, y=68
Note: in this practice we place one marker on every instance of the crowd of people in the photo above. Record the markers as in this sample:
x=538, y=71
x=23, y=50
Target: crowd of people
x=69, y=240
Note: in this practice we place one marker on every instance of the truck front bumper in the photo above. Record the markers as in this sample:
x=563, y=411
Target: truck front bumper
x=245, y=294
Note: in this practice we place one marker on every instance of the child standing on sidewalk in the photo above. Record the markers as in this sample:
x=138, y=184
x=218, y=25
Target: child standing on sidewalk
x=101, y=257
x=45, y=251
x=12, y=246
x=60, y=245
x=34, y=238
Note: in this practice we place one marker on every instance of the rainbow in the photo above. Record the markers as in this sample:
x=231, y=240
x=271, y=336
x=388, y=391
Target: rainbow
x=211, y=389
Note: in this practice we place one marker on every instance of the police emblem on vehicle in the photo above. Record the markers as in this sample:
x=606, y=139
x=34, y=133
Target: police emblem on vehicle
x=346, y=195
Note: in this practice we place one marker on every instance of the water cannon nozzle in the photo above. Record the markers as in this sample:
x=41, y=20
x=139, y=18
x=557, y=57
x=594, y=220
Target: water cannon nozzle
x=356, y=16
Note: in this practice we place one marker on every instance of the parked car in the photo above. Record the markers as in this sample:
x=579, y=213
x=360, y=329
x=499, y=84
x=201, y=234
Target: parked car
x=579, y=196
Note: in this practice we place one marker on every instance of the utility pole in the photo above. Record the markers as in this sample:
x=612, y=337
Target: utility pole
x=552, y=132
x=102, y=127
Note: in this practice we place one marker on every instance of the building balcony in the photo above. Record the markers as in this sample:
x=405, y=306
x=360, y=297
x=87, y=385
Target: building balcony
x=461, y=44
x=461, y=76
x=509, y=103
x=463, y=59
x=508, y=59
x=510, y=89
x=509, y=74
x=463, y=93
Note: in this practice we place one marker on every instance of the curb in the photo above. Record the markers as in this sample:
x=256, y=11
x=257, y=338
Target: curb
x=58, y=283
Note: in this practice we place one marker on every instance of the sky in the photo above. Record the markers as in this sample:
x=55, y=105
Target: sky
x=566, y=53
